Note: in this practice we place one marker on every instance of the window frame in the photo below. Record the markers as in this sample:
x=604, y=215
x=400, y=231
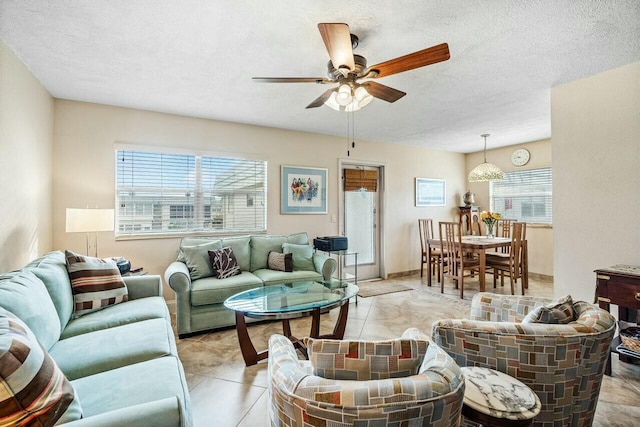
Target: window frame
x=531, y=202
x=257, y=194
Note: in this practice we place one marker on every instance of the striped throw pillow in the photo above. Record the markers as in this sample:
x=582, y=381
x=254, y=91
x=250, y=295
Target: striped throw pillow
x=280, y=262
x=33, y=390
x=96, y=283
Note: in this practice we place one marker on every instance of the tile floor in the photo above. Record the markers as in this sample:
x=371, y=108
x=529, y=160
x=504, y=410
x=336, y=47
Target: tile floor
x=226, y=393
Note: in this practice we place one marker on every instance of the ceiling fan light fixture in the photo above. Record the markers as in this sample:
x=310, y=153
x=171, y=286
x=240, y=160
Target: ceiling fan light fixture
x=362, y=96
x=332, y=102
x=344, y=95
x=485, y=171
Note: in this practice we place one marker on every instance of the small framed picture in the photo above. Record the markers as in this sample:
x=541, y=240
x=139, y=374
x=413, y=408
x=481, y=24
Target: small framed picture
x=303, y=190
x=430, y=192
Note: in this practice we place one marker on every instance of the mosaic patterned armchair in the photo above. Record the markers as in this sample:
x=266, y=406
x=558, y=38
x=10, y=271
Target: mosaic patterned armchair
x=563, y=363
x=408, y=381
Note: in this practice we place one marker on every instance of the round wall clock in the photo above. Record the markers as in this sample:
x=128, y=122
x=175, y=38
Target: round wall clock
x=520, y=157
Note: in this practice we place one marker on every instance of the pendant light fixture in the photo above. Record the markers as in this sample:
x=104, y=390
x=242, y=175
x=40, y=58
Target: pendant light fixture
x=485, y=171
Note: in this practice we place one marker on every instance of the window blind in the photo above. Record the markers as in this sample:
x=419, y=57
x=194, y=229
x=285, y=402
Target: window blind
x=160, y=193
x=524, y=195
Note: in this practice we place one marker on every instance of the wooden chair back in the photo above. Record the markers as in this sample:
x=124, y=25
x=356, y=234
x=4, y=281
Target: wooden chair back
x=516, y=252
x=504, y=227
x=425, y=227
x=451, y=248
x=454, y=260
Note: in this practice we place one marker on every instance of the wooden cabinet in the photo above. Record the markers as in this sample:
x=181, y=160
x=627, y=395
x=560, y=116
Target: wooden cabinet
x=619, y=285
x=470, y=220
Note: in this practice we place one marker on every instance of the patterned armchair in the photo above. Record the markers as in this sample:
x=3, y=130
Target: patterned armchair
x=431, y=397
x=562, y=363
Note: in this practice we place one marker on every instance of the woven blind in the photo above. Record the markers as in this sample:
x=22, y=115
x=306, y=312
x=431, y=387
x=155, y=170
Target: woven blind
x=355, y=179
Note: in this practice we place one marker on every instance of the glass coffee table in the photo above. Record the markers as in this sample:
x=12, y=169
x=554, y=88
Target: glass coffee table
x=290, y=301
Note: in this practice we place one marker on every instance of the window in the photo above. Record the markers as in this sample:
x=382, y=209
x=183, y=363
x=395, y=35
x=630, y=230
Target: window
x=523, y=195
x=159, y=193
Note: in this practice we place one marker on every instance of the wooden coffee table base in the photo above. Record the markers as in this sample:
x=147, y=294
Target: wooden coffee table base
x=251, y=356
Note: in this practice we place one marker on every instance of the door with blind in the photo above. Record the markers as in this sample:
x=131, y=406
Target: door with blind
x=361, y=218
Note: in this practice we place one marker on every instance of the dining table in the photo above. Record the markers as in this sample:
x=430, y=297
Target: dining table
x=480, y=245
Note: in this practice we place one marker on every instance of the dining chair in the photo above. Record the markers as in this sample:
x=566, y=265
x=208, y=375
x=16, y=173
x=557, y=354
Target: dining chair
x=454, y=260
x=425, y=226
x=503, y=229
x=512, y=263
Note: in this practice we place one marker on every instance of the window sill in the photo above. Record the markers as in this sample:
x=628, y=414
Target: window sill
x=187, y=234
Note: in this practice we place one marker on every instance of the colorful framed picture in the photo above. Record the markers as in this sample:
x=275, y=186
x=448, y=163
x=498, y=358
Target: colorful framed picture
x=430, y=192
x=303, y=190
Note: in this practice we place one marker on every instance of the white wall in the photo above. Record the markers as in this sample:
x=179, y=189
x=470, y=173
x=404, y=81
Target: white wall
x=26, y=137
x=539, y=237
x=84, y=137
x=596, y=191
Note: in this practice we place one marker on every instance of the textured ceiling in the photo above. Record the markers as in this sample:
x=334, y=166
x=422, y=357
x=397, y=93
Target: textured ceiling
x=197, y=57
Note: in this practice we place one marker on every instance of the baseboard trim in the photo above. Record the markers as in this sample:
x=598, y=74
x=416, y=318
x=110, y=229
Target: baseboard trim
x=541, y=277
x=402, y=274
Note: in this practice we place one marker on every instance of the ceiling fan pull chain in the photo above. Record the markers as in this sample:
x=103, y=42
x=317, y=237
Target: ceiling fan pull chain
x=353, y=130
x=348, y=151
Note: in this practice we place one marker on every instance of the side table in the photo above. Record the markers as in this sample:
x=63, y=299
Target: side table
x=492, y=398
x=135, y=272
x=619, y=285
x=341, y=262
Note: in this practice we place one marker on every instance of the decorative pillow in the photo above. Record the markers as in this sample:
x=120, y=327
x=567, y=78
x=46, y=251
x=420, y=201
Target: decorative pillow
x=365, y=360
x=96, y=283
x=559, y=311
x=280, y=262
x=34, y=389
x=302, y=256
x=196, y=258
x=224, y=263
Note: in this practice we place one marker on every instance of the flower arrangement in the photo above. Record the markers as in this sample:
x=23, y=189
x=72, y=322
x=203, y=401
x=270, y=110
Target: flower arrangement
x=490, y=218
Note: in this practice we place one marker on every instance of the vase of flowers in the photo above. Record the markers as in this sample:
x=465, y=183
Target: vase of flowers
x=490, y=218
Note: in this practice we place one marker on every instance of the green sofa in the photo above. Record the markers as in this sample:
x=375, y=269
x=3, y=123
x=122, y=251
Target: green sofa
x=200, y=295
x=122, y=360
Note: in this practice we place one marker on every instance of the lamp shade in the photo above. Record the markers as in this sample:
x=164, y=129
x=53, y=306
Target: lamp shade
x=89, y=220
x=485, y=172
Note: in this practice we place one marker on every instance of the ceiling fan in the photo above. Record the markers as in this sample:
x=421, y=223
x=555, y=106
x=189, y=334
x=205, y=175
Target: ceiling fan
x=348, y=69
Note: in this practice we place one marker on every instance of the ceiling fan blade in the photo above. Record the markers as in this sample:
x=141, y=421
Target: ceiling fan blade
x=383, y=92
x=320, y=80
x=319, y=101
x=428, y=56
x=337, y=40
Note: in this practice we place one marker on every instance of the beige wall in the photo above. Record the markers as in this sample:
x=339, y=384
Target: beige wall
x=596, y=193
x=84, y=137
x=539, y=237
x=26, y=135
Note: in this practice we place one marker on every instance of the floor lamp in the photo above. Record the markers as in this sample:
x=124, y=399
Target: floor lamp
x=89, y=221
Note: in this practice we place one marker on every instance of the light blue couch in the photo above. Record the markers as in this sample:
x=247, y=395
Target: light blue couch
x=121, y=360
x=200, y=296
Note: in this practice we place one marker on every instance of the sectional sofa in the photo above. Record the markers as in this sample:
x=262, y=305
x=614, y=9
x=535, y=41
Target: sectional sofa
x=200, y=295
x=120, y=364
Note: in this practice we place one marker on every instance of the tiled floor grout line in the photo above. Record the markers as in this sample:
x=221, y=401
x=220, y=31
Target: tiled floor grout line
x=251, y=408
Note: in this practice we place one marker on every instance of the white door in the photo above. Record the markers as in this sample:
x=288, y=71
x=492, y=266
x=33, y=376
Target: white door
x=361, y=226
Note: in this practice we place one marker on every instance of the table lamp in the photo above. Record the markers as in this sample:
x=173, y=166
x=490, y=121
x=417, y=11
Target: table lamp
x=89, y=221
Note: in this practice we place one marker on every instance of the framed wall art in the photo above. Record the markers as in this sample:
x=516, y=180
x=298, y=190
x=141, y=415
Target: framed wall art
x=303, y=190
x=430, y=192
